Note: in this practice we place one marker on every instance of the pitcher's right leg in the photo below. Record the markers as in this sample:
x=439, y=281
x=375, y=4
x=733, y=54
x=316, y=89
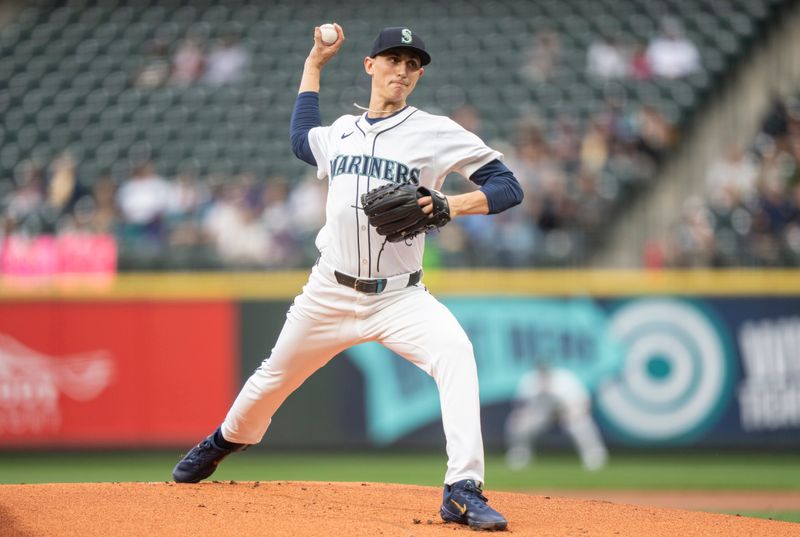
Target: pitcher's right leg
x=305, y=344
x=316, y=329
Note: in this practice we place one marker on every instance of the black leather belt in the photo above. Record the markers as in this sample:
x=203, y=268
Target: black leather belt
x=373, y=285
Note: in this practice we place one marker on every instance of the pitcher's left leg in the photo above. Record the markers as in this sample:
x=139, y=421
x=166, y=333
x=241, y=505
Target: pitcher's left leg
x=419, y=328
x=423, y=331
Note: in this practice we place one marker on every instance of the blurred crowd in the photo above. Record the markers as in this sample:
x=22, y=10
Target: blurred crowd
x=668, y=54
x=575, y=171
x=189, y=221
x=571, y=176
x=193, y=61
x=750, y=212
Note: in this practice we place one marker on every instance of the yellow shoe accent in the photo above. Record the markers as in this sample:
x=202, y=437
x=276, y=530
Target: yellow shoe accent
x=462, y=508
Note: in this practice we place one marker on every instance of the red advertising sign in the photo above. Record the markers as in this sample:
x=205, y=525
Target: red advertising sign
x=115, y=373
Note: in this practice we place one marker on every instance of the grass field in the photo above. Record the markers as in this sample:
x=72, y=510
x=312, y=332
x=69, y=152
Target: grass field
x=551, y=472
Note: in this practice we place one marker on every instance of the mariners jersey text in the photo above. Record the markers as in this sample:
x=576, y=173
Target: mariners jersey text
x=377, y=168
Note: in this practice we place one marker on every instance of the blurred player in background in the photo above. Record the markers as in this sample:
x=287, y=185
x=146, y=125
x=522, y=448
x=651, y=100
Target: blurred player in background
x=547, y=396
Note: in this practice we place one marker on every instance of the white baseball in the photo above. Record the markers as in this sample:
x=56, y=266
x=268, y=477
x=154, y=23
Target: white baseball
x=328, y=34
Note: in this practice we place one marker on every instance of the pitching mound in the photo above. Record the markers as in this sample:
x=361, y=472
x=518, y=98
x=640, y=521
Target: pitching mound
x=300, y=509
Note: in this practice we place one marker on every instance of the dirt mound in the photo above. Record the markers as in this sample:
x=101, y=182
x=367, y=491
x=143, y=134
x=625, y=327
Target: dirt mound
x=280, y=508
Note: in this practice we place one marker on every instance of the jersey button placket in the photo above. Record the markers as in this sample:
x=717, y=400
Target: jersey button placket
x=364, y=227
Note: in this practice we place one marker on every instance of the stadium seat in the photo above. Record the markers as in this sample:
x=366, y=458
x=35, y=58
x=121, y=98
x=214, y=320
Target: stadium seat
x=67, y=72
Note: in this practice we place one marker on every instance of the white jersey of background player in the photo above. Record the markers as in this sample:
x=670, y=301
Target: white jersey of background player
x=545, y=396
x=364, y=288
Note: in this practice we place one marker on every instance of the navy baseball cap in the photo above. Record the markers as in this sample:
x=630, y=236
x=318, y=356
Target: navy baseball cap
x=400, y=37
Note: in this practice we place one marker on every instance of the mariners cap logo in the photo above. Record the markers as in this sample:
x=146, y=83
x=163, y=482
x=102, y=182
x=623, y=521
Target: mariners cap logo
x=400, y=36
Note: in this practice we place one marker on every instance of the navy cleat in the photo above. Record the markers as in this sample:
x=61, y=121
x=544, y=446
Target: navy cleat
x=465, y=503
x=201, y=461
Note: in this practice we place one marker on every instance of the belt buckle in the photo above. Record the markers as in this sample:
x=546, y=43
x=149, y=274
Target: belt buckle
x=369, y=286
x=363, y=286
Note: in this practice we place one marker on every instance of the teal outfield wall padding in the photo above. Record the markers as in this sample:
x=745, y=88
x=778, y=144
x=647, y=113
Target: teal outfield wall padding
x=663, y=372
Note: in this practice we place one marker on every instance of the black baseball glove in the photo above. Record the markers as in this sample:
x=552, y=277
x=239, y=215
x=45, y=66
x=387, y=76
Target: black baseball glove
x=393, y=210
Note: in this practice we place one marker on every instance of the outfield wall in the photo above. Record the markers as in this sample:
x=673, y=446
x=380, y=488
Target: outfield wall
x=700, y=358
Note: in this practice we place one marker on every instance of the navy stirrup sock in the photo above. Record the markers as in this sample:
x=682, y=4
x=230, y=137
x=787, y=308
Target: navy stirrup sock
x=221, y=442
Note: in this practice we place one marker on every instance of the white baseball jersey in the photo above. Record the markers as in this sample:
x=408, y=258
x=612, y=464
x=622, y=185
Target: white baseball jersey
x=411, y=147
x=328, y=317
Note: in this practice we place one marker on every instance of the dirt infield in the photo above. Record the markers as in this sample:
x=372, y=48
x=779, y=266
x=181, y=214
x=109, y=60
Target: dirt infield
x=300, y=509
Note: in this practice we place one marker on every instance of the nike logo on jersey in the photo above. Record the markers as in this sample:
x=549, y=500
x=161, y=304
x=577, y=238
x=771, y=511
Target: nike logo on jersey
x=378, y=168
x=346, y=135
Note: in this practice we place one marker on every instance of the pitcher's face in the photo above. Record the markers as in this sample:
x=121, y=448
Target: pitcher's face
x=394, y=74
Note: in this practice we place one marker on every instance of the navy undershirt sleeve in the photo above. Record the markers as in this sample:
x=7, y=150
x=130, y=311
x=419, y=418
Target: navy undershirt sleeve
x=305, y=117
x=498, y=183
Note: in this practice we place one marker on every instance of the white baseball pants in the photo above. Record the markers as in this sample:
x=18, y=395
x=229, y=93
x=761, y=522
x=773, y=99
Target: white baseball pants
x=328, y=318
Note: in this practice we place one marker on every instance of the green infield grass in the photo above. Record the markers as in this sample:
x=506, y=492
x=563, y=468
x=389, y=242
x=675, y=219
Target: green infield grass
x=550, y=471
x=785, y=516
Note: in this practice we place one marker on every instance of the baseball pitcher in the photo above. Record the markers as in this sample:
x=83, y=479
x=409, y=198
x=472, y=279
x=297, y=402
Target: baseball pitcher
x=384, y=169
